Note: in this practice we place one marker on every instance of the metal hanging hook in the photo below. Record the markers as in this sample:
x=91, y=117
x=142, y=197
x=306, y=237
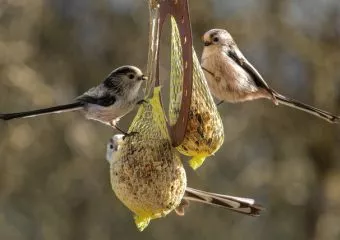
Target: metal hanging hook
x=179, y=10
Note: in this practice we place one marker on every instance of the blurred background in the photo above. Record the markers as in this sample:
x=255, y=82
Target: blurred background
x=54, y=181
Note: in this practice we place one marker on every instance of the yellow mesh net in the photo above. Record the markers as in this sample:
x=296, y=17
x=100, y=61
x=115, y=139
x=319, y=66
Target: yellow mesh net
x=153, y=45
x=148, y=176
x=204, y=134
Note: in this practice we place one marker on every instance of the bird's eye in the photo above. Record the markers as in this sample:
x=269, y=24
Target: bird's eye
x=215, y=39
x=131, y=76
x=111, y=146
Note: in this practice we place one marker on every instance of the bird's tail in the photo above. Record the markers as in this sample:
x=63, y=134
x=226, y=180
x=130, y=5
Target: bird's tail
x=34, y=113
x=307, y=108
x=241, y=205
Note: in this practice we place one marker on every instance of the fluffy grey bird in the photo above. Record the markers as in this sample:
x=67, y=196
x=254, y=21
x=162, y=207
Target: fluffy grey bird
x=241, y=205
x=116, y=96
x=233, y=79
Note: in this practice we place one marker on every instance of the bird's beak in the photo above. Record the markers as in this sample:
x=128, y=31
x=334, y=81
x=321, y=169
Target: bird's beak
x=207, y=43
x=143, y=77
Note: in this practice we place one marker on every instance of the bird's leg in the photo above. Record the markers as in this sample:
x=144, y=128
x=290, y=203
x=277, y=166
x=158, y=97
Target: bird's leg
x=123, y=132
x=219, y=103
x=208, y=71
x=141, y=102
x=213, y=75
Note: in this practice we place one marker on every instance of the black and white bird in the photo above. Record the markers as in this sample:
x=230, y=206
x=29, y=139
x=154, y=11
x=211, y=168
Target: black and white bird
x=233, y=79
x=238, y=204
x=116, y=96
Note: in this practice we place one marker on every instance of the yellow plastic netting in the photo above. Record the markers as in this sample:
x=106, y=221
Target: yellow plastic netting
x=148, y=176
x=204, y=134
x=153, y=45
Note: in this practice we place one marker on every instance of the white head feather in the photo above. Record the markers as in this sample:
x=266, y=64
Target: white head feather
x=113, y=147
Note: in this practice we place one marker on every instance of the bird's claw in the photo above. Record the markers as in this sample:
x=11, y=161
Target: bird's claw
x=219, y=103
x=141, y=102
x=126, y=134
x=129, y=134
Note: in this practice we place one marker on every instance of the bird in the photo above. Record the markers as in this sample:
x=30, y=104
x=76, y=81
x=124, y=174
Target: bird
x=113, y=98
x=232, y=78
x=147, y=176
x=242, y=205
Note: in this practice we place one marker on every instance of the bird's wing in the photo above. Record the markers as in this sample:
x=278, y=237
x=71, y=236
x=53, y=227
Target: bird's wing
x=104, y=101
x=238, y=57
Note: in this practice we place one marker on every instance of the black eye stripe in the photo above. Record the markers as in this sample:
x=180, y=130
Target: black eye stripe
x=212, y=35
x=109, y=83
x=123, y=71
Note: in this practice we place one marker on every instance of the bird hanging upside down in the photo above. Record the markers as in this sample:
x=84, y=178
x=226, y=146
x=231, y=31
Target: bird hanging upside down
x=245, y=206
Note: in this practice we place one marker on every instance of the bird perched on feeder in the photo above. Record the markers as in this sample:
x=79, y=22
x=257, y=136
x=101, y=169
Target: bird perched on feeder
x=233, y=79
x=116, y=96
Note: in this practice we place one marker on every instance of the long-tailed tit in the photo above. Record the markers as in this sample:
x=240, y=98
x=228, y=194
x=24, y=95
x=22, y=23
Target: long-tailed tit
x=241, y=205
x=233, y=79
x=116, y=96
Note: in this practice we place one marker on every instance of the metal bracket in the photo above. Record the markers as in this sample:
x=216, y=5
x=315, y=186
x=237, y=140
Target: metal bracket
x=179, y=9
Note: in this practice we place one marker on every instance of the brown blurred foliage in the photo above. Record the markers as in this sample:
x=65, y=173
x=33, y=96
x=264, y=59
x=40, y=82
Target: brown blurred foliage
x=54, y=181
